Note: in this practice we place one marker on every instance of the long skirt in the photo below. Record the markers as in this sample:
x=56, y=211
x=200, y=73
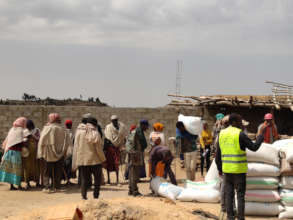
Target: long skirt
x=113, y=158
x=11, y=168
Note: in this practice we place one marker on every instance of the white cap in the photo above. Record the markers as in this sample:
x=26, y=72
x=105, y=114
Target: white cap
x=87, y=115
x=114, y=117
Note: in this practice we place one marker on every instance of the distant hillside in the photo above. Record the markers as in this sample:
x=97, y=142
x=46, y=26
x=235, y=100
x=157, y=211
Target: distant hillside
x=33, y=100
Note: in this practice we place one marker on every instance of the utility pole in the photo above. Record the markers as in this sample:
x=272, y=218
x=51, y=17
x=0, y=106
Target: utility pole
x=179, y=76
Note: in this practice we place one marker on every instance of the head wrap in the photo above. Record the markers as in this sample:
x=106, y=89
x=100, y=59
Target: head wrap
x=68, y=122
x=132, y=127
x=269, y=116
x=114, y=117
x=158, y=127
x=144, y=122
x=54, y=117
x=220, y=116
x=20, y=122
x=30, y=125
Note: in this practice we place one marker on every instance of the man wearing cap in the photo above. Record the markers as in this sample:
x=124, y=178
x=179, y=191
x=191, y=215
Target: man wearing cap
x=271, y=131
x=115, y=138
x=232, y=162
x=135, y=146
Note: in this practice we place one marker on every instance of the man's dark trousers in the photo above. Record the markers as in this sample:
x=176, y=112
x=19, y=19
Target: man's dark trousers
x=235, y=182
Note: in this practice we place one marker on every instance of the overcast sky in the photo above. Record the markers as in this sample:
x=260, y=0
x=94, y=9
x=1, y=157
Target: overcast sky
x=125, y=51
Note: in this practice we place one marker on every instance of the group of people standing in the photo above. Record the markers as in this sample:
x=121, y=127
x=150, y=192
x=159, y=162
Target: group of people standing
x=54, y=154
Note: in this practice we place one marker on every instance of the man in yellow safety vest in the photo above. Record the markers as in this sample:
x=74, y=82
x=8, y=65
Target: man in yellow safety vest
x=231, y=161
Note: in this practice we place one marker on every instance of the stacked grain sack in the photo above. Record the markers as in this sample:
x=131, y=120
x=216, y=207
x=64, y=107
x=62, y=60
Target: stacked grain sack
x=262, y=196
x=207, y=191
x=286, y=184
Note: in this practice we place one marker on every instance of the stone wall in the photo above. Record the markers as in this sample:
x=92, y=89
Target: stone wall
x=167, y=116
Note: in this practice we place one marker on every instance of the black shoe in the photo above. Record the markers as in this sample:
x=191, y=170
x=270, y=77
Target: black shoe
x=135, y=194
x=130, y=193
x=84, y=198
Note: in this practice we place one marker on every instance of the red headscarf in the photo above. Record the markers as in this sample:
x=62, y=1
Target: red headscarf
x=132, y=127
x=68, y=122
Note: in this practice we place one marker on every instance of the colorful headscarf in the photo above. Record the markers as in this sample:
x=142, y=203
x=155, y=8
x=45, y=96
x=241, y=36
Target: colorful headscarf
x=20, y=122
x=220, y=116
x=132, y=127
x=158, y=127
x=54, y=117
x=68, y=122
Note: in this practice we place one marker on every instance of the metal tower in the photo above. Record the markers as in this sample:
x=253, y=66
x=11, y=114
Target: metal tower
x=179, y=76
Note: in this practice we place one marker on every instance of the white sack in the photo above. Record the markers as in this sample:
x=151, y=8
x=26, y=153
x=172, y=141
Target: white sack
x=260, y=169
x=280, y=144
x=287, y=182
x=287, y=197
x=262, y=183
x=288, y=213
x=165, y=189
x=215, y=184
x=287, y=149
x=212, y=173
x=265, y=154
x=263, y=209
x=191, y=123
x=208, y=196
x=262, y=196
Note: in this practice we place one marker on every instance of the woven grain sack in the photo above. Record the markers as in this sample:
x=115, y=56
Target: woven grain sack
x=286, y=168
x=191, y=123
x=287, y=182
x=262, y=183
x=286, y=197
x=288, y=151
x=280, y=144
x=263, y=209
x=262, y=196
x=167, y=190
x=205, y=196
x=215, y=184
x=265, y=154
x=288, y=213
x=213, y=173
x=260, y=169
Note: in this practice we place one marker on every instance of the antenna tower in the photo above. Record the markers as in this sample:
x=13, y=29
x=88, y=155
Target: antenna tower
x=179, y=76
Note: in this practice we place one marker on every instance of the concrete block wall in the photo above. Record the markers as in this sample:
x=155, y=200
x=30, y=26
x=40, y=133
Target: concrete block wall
x=39, y=114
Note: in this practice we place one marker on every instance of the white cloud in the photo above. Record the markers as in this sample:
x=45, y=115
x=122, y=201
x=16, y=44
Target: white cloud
x=220, y=26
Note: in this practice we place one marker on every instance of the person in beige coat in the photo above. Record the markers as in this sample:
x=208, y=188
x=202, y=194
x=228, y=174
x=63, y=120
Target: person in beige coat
x=52, y=147
x=88, y=156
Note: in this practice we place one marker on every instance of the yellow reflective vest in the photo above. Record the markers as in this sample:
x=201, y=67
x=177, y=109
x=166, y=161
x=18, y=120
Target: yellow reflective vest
x=233, y=158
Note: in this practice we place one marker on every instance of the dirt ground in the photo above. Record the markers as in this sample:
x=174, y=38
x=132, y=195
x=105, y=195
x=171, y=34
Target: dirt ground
x=34, y=203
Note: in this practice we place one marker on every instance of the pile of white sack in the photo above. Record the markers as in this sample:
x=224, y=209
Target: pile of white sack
x=206, y=191
x=262, y=197
x=286, y=181
x=269, y=183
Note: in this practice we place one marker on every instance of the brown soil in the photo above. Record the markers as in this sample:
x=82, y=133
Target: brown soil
x=114, y=202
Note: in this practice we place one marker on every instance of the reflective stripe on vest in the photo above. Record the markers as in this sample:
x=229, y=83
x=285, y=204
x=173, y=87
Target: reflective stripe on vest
x=233, y=158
